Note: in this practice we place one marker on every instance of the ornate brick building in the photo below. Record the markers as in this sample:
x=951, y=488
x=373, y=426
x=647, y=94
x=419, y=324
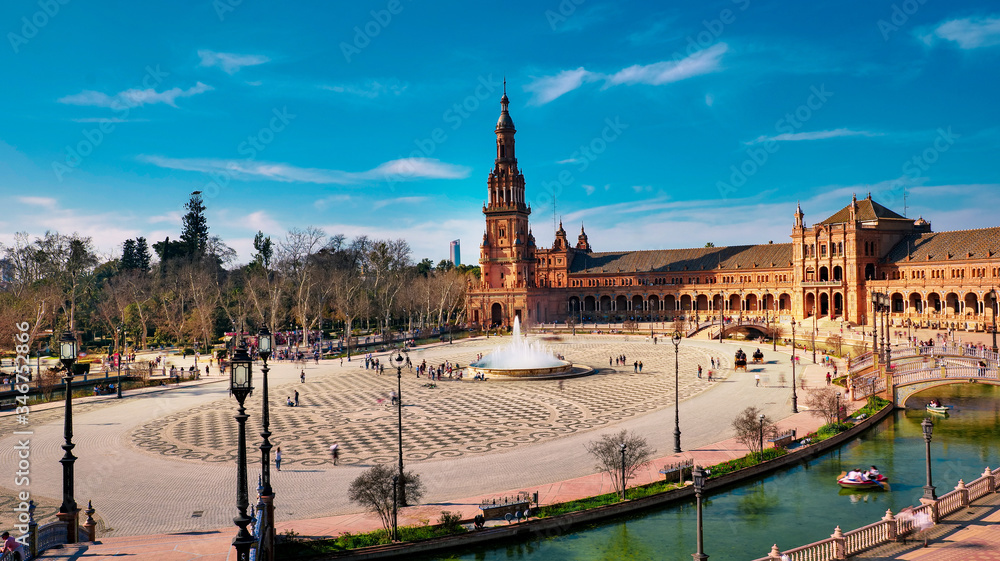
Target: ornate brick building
x=830, y=269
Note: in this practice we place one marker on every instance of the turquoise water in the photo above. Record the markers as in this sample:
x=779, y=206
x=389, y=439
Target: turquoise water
x=799, y=505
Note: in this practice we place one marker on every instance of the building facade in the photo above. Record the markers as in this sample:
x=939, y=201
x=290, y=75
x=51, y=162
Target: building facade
x=455, y=252
x=829, y=270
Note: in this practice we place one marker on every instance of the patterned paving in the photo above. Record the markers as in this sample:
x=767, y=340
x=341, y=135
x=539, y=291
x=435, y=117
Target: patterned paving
x=350, y=406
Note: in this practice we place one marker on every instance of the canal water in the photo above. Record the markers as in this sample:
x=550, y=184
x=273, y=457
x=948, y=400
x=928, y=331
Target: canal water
x=799, y=505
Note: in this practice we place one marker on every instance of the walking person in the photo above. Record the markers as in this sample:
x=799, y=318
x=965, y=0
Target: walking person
x=277, y=458
x=756, y=378
x=302, y=377
x=335, y=452
x=699, y=371
x=296, y=398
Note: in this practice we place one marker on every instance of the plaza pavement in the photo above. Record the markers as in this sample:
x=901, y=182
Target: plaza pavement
x=172, y=488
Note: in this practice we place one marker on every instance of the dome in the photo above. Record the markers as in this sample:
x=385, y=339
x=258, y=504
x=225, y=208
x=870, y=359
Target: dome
x=505, y=122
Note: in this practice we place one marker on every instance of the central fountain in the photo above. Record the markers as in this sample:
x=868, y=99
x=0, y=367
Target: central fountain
x=523, y=359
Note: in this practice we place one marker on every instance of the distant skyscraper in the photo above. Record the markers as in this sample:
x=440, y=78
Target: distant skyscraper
x=455, y=253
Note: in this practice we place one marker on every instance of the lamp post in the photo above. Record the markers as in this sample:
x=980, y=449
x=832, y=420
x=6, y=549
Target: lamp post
x=118, y=347
x=676, y=339
x=395, y=518
x=399, y=409
x=774, y=336
x=240, y=385
x=722, y=316
x=795, y=397
x=264, y=345
x=623, y=470
x=814, y=336
x=698, y=475
x=762, y=437
x=887, y=307
x=68, y=511
x=928, y=428
x=993, y=307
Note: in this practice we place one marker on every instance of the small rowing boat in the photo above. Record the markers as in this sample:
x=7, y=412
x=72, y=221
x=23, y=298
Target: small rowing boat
x=939, y=409
x=881, y=483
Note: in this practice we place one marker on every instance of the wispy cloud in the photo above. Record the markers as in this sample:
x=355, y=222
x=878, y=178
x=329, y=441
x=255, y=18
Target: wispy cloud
x=668, y=71
x=395, y=170
x=814, y=135
x=44, y=202
x=230, y=63
x=370, y=89
x=133, y=97
x=108, y=120
x=397, y=201
x=172, y=217
x=569, y=161
x=549, y=88
x=327, y=202
x=968, y=33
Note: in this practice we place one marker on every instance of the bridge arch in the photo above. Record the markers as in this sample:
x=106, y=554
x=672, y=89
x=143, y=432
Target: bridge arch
x=905, y=392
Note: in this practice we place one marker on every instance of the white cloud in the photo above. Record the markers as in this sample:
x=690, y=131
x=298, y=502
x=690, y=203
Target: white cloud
x=589, y=189
x=326, y=202
x=968, y=33
x=394, y=170
x=548, y=88
x=259, y=220
x=642, y=188
x=108, y=120
x=668, y=71
x=370, y=89
x=133, y=97
x=173, y=217
x=709, y=100
x=569, y=161
x=44, y=202
x=397, y=201
x=230, y=63
x=813, y=135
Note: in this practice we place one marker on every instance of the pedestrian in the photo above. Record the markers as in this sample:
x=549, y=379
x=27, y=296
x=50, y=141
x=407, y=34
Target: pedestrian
x=640, y=367
x=635, y=366
x=756, y=378
x=828, y=378
x=335, y=452
x=699, y=371
x=709, y=375
x=393, y=397
x=609, y=362
x=712, y=359
x=302, y=377
x=277, y=458
x=296, y=398
x=341, y=361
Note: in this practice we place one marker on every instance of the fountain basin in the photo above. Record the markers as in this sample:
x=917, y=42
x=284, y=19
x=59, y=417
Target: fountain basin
x=564, y=370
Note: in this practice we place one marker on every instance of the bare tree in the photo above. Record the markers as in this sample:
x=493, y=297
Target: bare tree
x=295, y=262
x=386, y=266
x=835, y=342
x=823, y=402
x=750, y=428
x=607, y=450
x=372, y=490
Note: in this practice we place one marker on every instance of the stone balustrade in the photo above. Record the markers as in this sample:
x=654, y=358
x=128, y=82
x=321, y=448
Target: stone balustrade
x=891, y=527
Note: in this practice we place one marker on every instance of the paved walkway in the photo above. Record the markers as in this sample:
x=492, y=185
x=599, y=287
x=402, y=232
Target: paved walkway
x=161, y=464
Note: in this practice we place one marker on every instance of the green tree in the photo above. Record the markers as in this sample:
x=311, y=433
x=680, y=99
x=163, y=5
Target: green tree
x=710, y=244
x=194, y=227
x=264, y=251
x=445, y=265
x=135, y=255
x=425, y=267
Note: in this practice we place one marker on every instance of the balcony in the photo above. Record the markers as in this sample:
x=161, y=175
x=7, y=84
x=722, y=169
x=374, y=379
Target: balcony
x=822, y=284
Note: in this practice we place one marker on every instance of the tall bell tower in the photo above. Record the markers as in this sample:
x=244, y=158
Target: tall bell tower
x=507, y=254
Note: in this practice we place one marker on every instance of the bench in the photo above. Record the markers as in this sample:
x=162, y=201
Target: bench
x=679, y=468
x=783, y=439
x=500, y=507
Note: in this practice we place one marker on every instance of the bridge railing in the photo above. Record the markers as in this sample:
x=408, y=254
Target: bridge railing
x=861, y=363
x=891, y=528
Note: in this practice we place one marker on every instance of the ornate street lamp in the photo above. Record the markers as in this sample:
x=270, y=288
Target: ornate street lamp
x=265, y=342
x=928, y=428
x=762, y=437
x=241, y=385
x=399, y=408
x=795, y=397
x=68, y=511
x=993, y=307
x=887, y=308
x=676, y=340
x=395, y=509
x=699, y=475
x=623, y=470
x=118, y=383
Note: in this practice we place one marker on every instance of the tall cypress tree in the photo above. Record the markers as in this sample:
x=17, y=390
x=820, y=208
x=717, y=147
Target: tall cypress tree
x=194, y=230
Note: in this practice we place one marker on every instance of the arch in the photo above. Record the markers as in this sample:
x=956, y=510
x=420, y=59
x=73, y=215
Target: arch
x=653, y=305
x=810, y=304
x=767, y=302
x=824, y=304
x=952, y=302
x=897, y=303
x=971, y=304
x=701, y=302
x=824, y=273
x=589, y=304
x=717, y=300
x=784, y=302
x=621, y=303
x=933, y=302
x=752, y=303
x=734, y=303
x=990, y=302
x=686, y=302
x=870, y=271
x=574, y=305
x=669, y=303
x=838, y=273
x=496, y=314
x=605, y=304
x=838, y=304
x=915, y=302
x=637, y=302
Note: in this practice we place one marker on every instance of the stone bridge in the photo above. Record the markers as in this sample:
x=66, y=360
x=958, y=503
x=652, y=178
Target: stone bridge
x=749, y=328
x=914, y=369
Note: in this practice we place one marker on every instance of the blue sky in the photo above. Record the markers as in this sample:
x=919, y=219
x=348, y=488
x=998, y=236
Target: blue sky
x=655, y=124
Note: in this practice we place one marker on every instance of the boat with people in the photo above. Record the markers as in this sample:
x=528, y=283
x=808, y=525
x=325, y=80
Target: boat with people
x=856, y=479
x=935, y=407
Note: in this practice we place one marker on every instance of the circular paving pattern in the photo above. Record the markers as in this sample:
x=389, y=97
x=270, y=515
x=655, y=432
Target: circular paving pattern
x=350, y=406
